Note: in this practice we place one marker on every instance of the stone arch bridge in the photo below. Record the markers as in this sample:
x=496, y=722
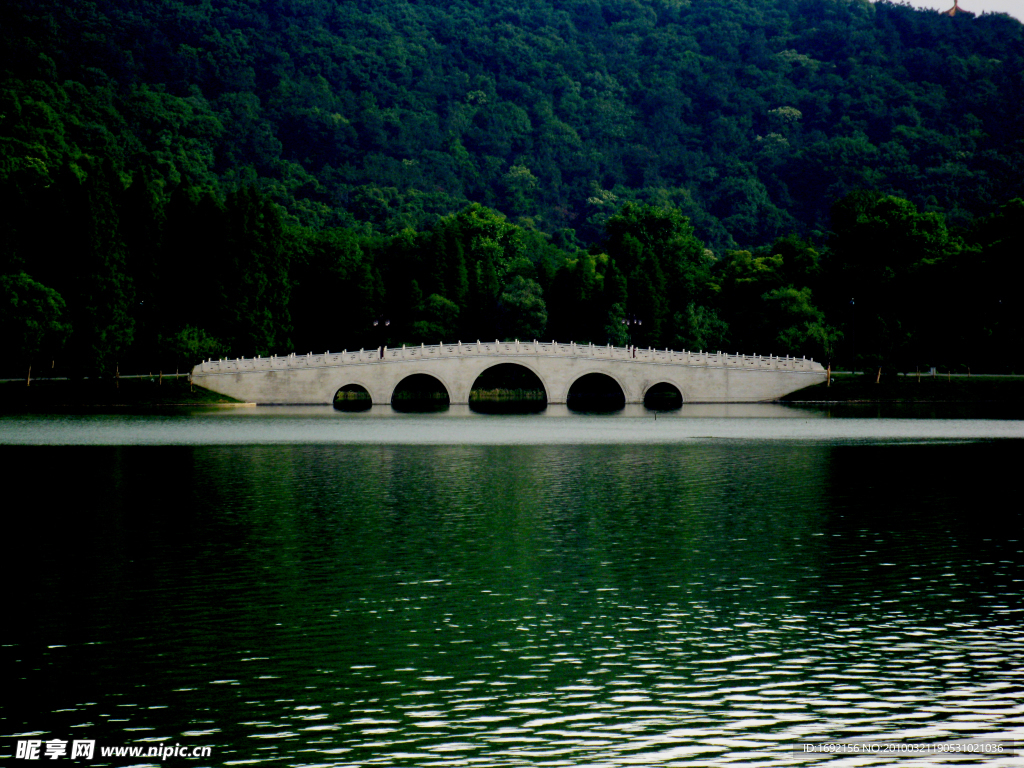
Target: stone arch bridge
x=700, y=377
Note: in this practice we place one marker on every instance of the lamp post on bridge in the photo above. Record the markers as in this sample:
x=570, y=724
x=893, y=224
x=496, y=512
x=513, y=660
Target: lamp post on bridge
x=853, y=335
x=381, y=323
x=631, y=321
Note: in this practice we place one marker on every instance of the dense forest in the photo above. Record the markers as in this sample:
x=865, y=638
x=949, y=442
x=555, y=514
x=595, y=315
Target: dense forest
x=836, y=178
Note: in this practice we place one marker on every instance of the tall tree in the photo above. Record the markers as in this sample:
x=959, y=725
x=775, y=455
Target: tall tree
x=256, y=289
x=889, y=258
x=142, y=217
x=86, y=262
x=665, y=264
x=32, y=321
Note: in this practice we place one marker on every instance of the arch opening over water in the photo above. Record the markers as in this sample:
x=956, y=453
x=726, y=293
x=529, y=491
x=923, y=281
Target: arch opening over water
x=508, y=388
x=663, y=397
x=596, y=392
x=420, y=393
x=352, y=397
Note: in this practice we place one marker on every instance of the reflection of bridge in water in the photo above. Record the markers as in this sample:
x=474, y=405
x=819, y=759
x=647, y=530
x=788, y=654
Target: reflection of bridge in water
x=700, y=377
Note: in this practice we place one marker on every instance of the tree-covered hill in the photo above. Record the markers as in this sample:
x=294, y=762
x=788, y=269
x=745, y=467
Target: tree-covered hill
x=196, y=178
x=750, y=117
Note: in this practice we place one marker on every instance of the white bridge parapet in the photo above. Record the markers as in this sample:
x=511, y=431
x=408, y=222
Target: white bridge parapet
x=699, y=376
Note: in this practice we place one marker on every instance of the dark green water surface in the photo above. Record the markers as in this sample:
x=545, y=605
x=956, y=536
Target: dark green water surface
x=706, y=601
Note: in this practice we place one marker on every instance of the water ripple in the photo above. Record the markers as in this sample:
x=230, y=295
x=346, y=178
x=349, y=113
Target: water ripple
x=599, y=605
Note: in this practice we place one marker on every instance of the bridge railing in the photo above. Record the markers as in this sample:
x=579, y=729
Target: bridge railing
x=510, y=349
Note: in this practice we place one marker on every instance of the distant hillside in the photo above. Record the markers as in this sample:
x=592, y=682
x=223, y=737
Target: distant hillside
x=749, y=117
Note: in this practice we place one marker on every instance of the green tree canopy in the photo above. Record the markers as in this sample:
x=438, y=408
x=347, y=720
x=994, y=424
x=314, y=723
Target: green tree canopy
x=33, y=319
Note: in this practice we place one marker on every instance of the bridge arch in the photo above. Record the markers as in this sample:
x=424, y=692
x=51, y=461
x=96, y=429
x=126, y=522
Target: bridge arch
x=521, y=382
x=593, y=391
x=422, y=378
x=664, y=395
x=352, y=397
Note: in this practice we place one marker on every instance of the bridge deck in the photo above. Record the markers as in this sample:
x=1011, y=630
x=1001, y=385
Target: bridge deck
x=510, y=348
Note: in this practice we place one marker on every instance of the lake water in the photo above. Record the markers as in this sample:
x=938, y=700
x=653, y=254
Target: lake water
x=304, y=587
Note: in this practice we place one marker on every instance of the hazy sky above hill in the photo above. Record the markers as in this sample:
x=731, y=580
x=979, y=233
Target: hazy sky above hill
x=1013, y=7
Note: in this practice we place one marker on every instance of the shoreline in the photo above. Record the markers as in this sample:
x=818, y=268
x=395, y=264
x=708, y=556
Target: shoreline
x=862, y=388
x=142, y=392
x=147, y=393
